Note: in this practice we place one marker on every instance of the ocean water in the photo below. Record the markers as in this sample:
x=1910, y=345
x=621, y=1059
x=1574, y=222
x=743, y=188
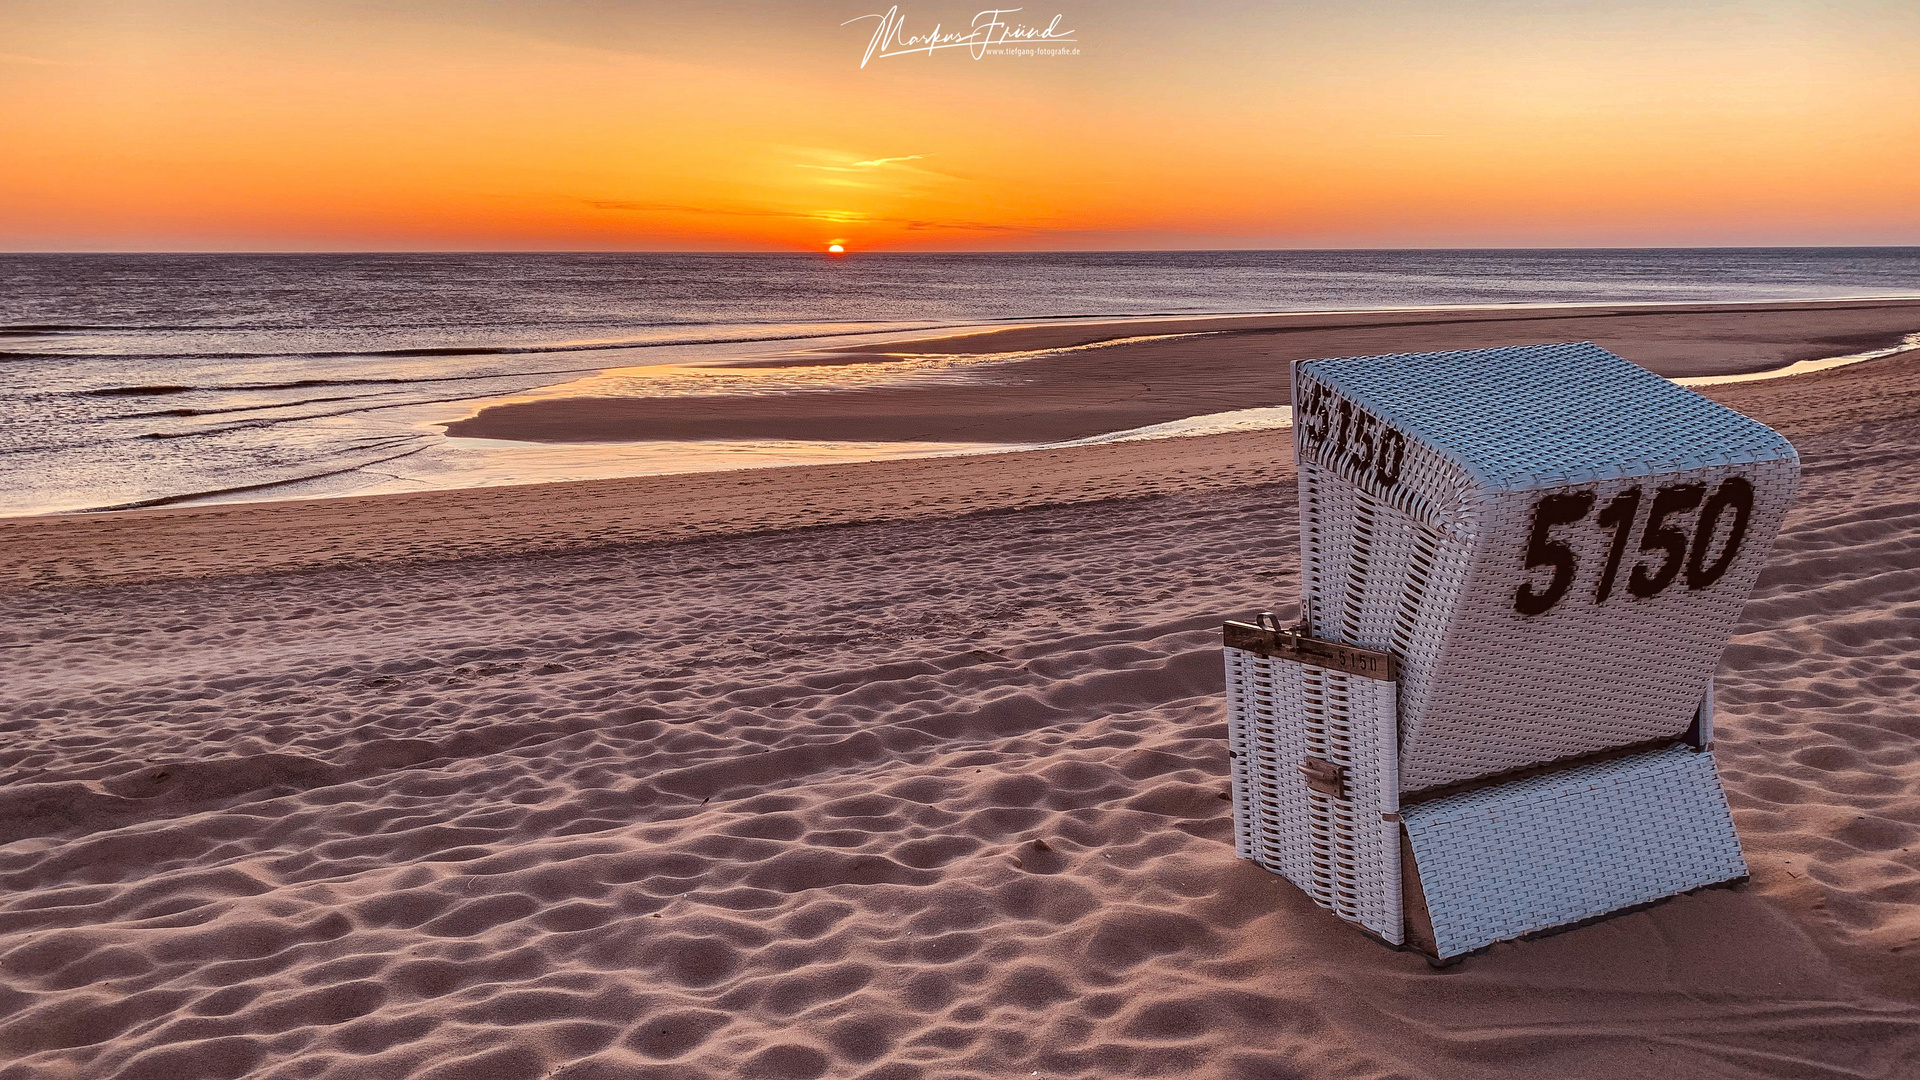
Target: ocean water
x=154, y=379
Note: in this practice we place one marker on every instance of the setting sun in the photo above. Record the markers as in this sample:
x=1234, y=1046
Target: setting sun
x=836, y=249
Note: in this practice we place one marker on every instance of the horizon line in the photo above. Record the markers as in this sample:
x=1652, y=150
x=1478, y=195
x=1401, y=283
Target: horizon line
x=797, y=252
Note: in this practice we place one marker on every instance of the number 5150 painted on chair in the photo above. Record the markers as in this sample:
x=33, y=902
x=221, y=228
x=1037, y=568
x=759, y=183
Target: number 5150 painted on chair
x=1665, y=535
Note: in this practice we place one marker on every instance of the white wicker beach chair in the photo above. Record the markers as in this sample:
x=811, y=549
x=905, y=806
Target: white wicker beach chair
x=1520, y=567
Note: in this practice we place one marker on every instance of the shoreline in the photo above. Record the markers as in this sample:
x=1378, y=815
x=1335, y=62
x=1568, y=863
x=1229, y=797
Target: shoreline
x=996, y=389
x=532, y=520
x=291, y=535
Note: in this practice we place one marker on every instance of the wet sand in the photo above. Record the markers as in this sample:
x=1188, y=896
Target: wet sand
x=1164, y=370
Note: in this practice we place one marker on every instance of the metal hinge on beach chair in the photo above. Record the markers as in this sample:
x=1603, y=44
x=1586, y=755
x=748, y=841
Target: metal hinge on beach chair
x=1520, y=567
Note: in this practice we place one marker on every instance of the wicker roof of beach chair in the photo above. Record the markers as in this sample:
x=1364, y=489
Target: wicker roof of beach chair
x=1554, y=543
x=1534, y=416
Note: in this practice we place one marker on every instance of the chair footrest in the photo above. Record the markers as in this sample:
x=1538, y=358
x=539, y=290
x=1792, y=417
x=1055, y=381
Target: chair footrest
x=1558, y=848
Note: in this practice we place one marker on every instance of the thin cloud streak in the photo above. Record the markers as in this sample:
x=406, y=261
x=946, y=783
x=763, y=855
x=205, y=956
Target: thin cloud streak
x=876, y=163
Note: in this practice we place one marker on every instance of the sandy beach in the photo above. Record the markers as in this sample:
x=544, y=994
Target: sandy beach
x=899, y=770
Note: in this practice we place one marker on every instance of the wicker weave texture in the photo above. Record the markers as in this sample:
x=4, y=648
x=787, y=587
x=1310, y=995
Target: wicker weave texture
x=1542, y=416
x=1437, y=493
x=1376, y=577
x=1597, y=676
x=1507, y=860
x=1339, y=850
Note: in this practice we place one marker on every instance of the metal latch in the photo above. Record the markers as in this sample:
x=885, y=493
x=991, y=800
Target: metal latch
x=1324, y=776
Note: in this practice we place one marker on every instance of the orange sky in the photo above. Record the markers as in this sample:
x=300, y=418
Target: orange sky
x=589, y=124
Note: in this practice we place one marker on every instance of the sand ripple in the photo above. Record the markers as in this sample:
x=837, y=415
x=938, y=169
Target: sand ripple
x=933, y=799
